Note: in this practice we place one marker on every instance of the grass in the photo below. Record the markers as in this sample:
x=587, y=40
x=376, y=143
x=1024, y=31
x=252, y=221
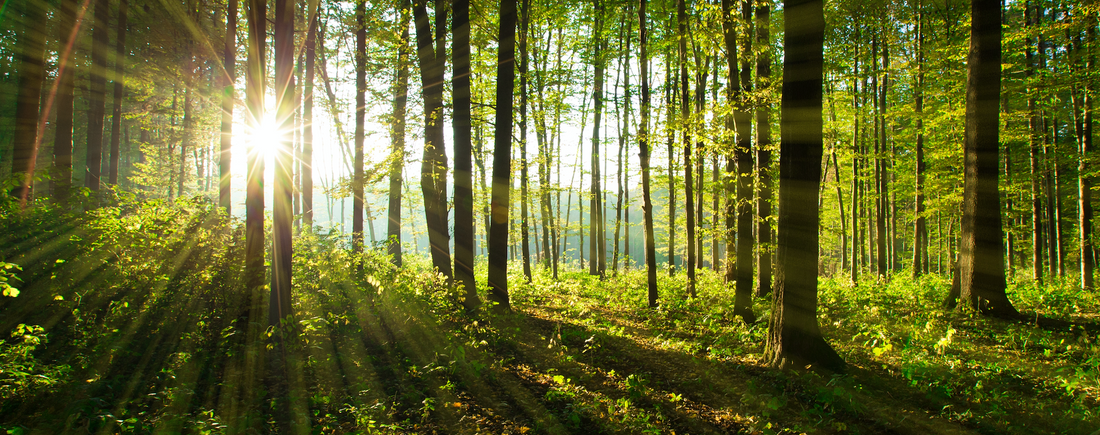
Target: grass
x=132, y=319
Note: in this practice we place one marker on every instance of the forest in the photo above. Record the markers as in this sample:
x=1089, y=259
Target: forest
x=561, y=217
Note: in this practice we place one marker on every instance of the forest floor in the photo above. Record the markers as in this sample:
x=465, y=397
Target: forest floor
x=132, y=319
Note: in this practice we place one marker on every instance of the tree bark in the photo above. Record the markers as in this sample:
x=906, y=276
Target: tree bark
x=32, y=72
x=920, y=232
x=281, y=216
x=1084, y=181
x=116, y=112
x=743, y=159
x=96, y=96
x=62, y=181
x=981, y=250
x=254, y=92
x=643, y=158
x=525, y=228
x=502, y=158
x=433, y=168
x=464, y=194
x=360, y=120
x=764, y=153
x=794, y=337
x=307, y=114
x=1034, y=128
x=685, y=119
x=397, y=152
x=596, y=265
x=229, y=54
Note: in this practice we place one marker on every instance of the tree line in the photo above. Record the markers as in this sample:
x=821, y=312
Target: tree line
x=886, y=131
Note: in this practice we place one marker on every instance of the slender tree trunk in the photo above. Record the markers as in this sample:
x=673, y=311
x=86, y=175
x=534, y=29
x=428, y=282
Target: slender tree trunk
x=1034, y=123
x=794, y=337
x=670, y=104
x=397, y=152
x=96, y=96
x=502, y=158
x=595, y=217
x=743, y=156
x=738, y=194
x=525, y=228
x=62, y=181
x=685, y=119
x=188, y=137
x=920, y=232
x=116, y=112
x=225, y=191
x=464, y=194
x=307, y=113
x=360, y=120
x=643, y=158
x=764, y=154
x=254, y=93
x=624, y=41
x=1084, y=180
x=982, y=252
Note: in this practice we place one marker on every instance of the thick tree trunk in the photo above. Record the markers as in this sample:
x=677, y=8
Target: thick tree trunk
x=31, y=48
x=62, y=181
x=502, y=158
x=464, y=194
x=643, y=159
x=1084, y=180
x=920, y=232
x=116, y=112
x=982, y=252
x=764, y=155
x=281, y=216
x=433, y=168
x=743, y=157
x=794, y=337
x=229, y=53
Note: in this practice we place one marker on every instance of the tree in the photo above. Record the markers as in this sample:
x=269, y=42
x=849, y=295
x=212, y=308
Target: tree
x=981, y=253
x=596, y=241
x=96, y=96
x=643, y=158
x=433, y=167
x=31, y=73
x=1084, y=180
x=464, y=193
x=225, y=191
x=282, y=215
x=254, y=93
x=502, y=158
x=685, y=115
x=764, y=153
x=360, y=120
x=739, y=207
x=920, y=232
x=116, y=111
x=307, y=114
x=62, y=181
x=397, y=154
x=794, y=337
x=525, y=229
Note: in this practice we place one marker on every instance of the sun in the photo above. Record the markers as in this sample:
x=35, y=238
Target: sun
x=264, y=139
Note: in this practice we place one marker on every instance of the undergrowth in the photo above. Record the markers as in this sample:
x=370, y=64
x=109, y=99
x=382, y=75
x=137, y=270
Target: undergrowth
x=133, y=319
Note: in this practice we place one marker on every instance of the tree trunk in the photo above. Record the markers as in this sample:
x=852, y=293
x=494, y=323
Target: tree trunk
x=685, y=119
x=670, y=104
x=62, y=181
x=764, y=155
x=360, y=119
x=281, y=215
x=794, y=337
x=1034, y=123
x=433, y=168
x=225, y=191
x=595, y=217
x=188, y=137
x=643, y=158
x=116, y=112
x=502, y=158
x=254, y=93
x=307, y=114
x=743, y=158
x=397, y=152
x=96, y=96
x=525, y=228
x=1084, y=181
x=624, y=43
x=982, y=253
x=26, y=138
x=920, y=232
x=464, y=194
